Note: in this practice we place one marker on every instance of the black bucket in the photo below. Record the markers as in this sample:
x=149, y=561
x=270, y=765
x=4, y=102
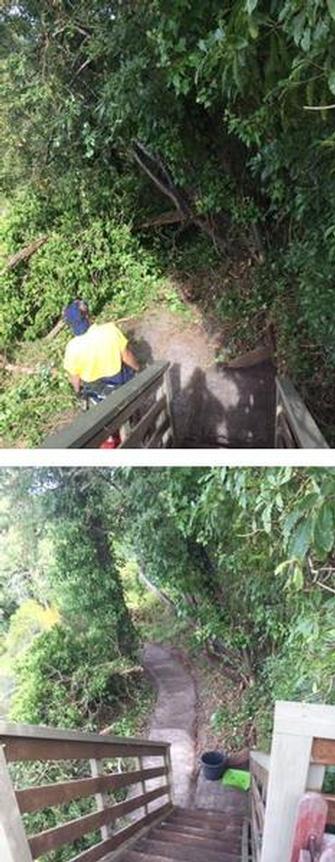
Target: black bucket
x=214, y=764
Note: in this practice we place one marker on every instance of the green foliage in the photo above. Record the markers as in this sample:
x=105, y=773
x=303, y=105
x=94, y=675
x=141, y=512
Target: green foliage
x=101, y=262
x=69, y=680
x=247, y=557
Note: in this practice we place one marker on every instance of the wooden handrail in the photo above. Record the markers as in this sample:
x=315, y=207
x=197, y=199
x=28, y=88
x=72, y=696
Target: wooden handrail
x=33, y=731
x=48, y=840
x=92, y=427
x=27, y=743
x=295, y=426
x=35, y=798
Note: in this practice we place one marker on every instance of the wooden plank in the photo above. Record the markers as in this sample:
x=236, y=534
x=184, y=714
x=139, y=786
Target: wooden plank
x=323, y=751
x=330, y=799
x=258, y=805
x=305, y=719
x=14, y=846
x=140, y=763
x=124, y=837
x=136, y=435
x=259, y=766
x=300, y=419
x=169, y=397
x=33, y=731
x=48, y=840
x=35, y=749
x=47, y=795
x=112, y=412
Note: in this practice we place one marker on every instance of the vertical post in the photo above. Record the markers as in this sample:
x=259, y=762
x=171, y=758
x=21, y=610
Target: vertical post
x=168, y=393
x=13, y=840
x=168, y=764
x=100, y=798
x=295, y=726
x=278, y=410
x=141, y=767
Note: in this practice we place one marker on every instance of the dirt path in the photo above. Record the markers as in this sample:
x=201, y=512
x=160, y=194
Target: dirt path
x=174, y=717
x=212, y=404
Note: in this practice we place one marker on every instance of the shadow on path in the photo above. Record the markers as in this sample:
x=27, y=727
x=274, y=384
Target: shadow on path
x=213, y=405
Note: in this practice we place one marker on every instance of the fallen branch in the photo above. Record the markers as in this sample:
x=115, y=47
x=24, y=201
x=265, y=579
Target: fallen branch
x=56, y=329
x=318, y=107
x=158, y=173
x=15, y=368
x=171, y=217
x=26, y=252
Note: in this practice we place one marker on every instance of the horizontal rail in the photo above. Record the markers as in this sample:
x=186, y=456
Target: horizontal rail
x=90, y=427
x=34, y=749
x=50, y=839
x=36, y=798
x=100, y=850
x=27, y=742
x=305, y=433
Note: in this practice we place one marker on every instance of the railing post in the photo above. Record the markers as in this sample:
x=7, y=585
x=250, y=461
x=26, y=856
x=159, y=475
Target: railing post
x=140, y=764
x=13, y=840
x=290, y=773
x=168, y=764
x=100, y=798
x=168, y=395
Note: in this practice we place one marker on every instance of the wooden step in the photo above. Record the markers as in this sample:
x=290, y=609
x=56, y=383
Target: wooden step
x=232, y=825
x=183, y=852
x=231, y=844
x=208, y=815
x=220, y=824
x=232, y=829
x=137, y=856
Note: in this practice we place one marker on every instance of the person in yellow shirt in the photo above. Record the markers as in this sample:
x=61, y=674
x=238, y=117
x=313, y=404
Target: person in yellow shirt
x=98, y=356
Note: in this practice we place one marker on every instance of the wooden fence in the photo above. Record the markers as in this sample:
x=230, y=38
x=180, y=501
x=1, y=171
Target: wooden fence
x=303, y=745
x=29, y=744
x=295, y=427
x=141, y=408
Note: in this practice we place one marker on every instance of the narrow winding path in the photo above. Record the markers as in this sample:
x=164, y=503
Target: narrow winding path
x=174, y=716
x=174, y=720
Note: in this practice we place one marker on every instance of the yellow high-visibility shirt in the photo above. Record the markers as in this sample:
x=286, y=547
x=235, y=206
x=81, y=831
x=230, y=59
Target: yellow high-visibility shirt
x=96, y=353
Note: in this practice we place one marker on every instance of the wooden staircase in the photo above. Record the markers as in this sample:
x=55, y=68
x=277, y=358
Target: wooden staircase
x=190, y=835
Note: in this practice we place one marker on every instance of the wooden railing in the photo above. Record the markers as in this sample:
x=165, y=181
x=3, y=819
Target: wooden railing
x=259, y=768
x=303, y=745
x=295, y=427
x=141, y=409
x=80, y=753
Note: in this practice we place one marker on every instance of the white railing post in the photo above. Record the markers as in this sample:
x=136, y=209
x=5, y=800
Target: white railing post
x=13, y=840
x=290, y=772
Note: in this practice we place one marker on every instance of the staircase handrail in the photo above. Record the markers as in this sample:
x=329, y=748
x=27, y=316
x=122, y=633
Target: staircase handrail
x=91, y=427
x=295, y=427
x=30, y=744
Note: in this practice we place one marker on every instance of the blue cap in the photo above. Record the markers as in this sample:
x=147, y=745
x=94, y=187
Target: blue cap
x=76, y=315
